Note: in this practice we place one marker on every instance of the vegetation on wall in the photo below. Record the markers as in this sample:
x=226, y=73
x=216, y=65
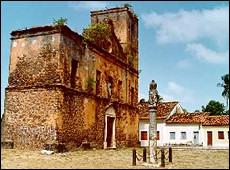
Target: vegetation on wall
x=129, y=6
x=131, y=59
x=98, y=31
x=90, y=83
x=61, y=21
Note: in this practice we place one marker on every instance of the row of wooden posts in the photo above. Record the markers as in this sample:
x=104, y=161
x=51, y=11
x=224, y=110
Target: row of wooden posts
x=145, y=156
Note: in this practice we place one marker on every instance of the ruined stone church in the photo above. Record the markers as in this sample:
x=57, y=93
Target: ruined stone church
x=65, y=89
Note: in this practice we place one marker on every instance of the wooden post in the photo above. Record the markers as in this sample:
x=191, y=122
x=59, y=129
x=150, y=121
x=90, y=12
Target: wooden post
x=134, y=156
x=144, y=155
x=162, y=158
x=170, y=154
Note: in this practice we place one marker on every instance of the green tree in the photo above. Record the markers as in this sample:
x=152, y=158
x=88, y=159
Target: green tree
x=142, y=100
x=185, y=110
x=61, y=21
x=197, y=111
x=214, y=107
x=225, y=85
x=160, y=98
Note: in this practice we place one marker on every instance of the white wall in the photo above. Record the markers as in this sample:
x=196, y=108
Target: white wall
x=144, y=126
x=178, y=128
x=165, y=130
x=216, y=142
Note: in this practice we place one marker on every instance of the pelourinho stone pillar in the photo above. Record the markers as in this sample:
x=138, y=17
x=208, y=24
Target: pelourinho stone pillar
x=153, y=95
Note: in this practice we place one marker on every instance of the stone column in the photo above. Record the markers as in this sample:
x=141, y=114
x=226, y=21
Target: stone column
x=153, y=95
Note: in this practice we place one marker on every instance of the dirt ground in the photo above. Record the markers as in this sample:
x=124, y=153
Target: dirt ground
x=110, y=159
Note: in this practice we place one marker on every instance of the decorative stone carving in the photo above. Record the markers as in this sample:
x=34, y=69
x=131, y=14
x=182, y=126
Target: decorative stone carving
x=153, y=94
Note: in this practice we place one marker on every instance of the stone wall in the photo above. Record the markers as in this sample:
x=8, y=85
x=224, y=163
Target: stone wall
x=71, y=129
x=42, y=105
x=34, y=61
x=126, y=125
x=30, y=117
x=125, y=26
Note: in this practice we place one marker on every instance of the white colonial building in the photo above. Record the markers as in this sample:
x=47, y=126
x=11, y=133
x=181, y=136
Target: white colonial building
x=174, y=127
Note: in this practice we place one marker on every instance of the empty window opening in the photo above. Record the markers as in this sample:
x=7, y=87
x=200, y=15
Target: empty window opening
x=98, y=82
x=119, y=89
x=74, y=66
x=132, y=95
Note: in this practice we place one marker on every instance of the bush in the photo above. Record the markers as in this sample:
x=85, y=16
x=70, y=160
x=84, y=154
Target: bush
x=96, y=32
x=61, y=21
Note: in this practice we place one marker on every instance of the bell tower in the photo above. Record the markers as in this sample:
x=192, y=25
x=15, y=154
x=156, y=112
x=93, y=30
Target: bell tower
x=125, y=25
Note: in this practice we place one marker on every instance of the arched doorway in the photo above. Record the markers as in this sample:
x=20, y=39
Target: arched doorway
x=110, y=126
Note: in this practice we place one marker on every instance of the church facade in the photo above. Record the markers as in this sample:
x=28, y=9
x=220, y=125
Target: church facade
x=63, y=89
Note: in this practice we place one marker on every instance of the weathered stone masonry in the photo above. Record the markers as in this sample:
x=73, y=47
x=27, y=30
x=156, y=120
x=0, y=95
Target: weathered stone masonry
x=48, y=99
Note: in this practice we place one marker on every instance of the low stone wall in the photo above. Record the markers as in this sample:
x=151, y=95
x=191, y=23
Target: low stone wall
x=30, y=117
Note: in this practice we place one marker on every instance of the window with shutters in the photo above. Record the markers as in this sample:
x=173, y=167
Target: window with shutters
x=158, y=135
x=172, y=135
x=183, y=136
x=221, y=135
x=144, y=135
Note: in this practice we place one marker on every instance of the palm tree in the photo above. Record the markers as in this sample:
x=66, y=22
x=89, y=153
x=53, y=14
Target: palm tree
x=160, y=98
x=225, y=85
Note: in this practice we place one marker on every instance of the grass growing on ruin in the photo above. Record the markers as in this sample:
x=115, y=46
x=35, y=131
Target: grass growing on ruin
x=110, y=159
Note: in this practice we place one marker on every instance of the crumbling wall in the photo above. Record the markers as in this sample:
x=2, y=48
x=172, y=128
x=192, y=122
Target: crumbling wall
x=71, y=127
x=34, y=61
x=90, y=120
x=41, y=104
x=125, y=25
x=110, y=67
x=30, y=117
x=126, y=125
x=71, y=48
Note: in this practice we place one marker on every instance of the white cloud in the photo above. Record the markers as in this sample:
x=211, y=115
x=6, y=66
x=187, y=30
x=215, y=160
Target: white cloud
x=184, y=64
x=177, y=92
x=188, y=26
x=175, y=88
x=204, y=54
x=88, y=5
x=168, y=98
x=143, y=96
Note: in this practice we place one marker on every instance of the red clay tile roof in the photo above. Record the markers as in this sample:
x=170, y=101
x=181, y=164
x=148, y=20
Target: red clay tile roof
x=216, y=120
x=199, y=118
x=187, y=118
x=163, y=110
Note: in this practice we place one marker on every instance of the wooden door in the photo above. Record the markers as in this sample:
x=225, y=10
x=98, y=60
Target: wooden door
x=110, y=121
x=196, y=138
x=209, y=134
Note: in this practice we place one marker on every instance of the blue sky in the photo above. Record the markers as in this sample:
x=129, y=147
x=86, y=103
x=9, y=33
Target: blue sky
x=183, y=45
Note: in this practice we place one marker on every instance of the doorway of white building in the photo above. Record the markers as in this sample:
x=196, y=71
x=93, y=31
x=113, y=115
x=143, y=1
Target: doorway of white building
x=196, y=138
